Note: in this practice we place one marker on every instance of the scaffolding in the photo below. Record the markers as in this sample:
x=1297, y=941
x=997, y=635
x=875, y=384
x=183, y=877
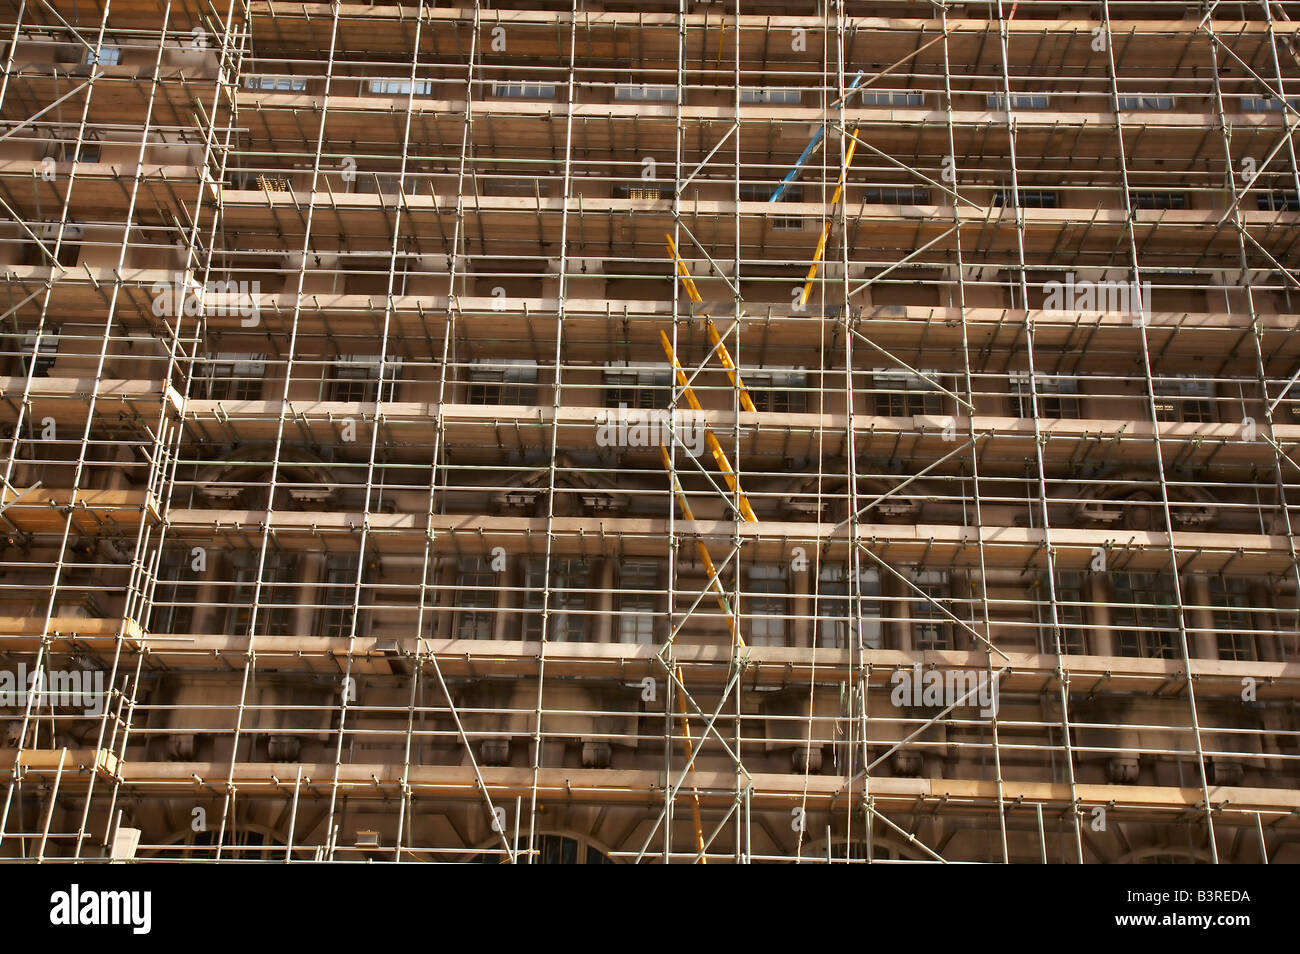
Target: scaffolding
x=377, y=486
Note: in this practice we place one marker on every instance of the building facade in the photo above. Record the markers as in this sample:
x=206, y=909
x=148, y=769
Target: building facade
x=593, y=432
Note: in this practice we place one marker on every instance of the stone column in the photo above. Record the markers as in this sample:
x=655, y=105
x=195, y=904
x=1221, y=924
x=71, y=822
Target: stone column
x=1202, y=641
x=603, y=630
x=1101, y=635
x=309, y=573
x=506, y=625
x=801, y=587
x=446, y=575
x=1268, y=647
x=897, y=633
x=207, y=617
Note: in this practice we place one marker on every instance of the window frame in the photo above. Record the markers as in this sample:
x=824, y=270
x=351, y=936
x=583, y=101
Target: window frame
x=232, y=376
x=107, y=56
x=771, y=96
x=777, y=390
x=1146, y=627
x=910, y=395
x=645, y=93
x=1131, y=102
x=767, y=613
x=491, y=381
x=1233, y=630
x=570, y=583
x=1188, y=399
x=931, y=629
x=355, y=378
x=475, y=599
x=521, y=89
x=398, y=86
x=1058, y=396
x=1018, y=101
x=638, y=620
x=275, y=83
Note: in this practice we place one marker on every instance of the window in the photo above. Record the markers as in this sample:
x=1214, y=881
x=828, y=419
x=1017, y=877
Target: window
x=777, y=391
x=274, y=615
x=231, y=377
x=1266, y=104
x=647, y=93
x=1069, y=614
x=763, y=193
x=904, y=394
x=107, y=56
x=1184, y=399
x=351, y=382
x=553, y=850
x=1144, y=615
x=502, y=381
x=475, y=598
x=638, y=583
x=835, y=614
x=36, y=362
x=869, y=606
x=1231, y=599
x=767, y=611
x=1057, y=397
x=523, y=90
x=400, y=87
x=1018, y=101
x=175, y=592
x=888, y=97
x=69, y=246
x=1277, y=202
x=787, y=224
x=1158, y=200
x=1146, y=102
x=570, y=579
x=833, y=608
x=284, y=84
x=1260, y=104
x=90, y=152
x=1029, y=198
x=896, y=195
x=355, y=377
x=773, y=95
x=500, y=185
x=930, y=626
x=638, y=388
x=338, y=587
x=642, y=191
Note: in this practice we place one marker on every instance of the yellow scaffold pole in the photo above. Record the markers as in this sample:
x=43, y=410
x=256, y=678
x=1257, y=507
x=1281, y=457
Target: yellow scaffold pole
x=826, y=226
x=690, y=751
x=718, y=592
x=715, y=339
x=719, y=455
x=733, y=482
x=721, y=597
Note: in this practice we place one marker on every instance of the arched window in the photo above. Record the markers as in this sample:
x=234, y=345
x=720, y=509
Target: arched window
x=552, y=849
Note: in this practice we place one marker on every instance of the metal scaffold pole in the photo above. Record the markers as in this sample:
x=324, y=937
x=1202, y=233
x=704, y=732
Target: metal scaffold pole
x=716, y=434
